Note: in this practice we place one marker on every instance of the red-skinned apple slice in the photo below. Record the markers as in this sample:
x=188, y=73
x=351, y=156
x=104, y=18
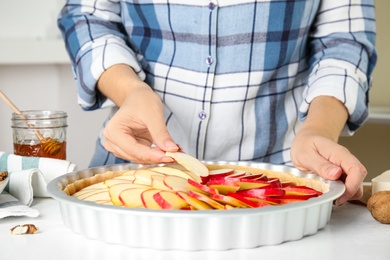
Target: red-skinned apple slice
x=301, y=191
x=247, y=184
x=224, y=189
x=224, y=199
x=224, y=185
x=238, y=173
x=148, y=199
x=264, y=200
x=202, y=188
x=249, y=203
x=207, y=199
x=286, y=183
x=221, y=172
x=131, y=198
x=194, y=203
x=191, y=164
x=261, y=192
x=169, y=200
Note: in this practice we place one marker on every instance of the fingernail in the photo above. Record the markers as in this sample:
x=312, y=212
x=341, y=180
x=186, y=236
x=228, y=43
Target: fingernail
x=334, y=172
x=171, y=145
x=167, y=160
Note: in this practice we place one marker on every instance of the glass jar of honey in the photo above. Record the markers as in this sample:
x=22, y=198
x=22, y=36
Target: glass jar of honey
x=40, y=133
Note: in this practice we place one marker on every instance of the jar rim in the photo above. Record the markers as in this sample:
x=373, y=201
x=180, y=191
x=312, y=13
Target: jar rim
x=39, y=114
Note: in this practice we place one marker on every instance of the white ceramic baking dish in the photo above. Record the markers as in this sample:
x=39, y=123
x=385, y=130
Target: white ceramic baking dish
x=194, y=230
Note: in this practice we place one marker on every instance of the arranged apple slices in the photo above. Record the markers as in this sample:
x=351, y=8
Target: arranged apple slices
x=192, y=164
x=190, y=185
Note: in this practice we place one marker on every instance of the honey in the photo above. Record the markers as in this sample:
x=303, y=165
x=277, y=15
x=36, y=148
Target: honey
x=40, y=133
x=47, y=150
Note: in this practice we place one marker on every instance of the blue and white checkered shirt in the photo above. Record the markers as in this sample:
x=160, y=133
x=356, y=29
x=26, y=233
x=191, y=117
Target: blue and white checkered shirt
x=235, y=76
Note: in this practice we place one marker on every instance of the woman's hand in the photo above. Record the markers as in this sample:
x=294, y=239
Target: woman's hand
x=315, y=148
x=313, y=152
x=137, y=132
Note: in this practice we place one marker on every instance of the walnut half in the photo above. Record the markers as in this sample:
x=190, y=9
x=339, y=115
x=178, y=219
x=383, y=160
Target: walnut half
x=3, y=175
x=24, y=229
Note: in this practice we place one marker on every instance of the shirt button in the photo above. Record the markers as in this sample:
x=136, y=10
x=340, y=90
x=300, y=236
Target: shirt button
x=209, y=60
x=202, y=115
x=211, y=6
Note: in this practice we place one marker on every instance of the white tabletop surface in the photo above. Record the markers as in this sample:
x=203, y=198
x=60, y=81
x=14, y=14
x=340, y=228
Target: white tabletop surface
x=352, y=233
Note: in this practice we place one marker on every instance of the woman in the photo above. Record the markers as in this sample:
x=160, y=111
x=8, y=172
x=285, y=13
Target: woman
x=271, y=81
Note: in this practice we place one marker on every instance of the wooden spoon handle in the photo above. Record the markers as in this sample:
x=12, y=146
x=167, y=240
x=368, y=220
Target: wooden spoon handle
x=17, y=111
x=11, y=105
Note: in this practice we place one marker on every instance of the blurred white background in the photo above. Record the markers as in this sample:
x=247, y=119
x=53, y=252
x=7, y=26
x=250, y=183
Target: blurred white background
x=35, y=73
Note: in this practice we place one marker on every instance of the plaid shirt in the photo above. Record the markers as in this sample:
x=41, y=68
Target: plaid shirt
x=236, y=77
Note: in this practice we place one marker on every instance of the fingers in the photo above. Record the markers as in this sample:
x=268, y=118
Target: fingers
x=332, y=162
x=355, y=173
x=138, y=132
x=127, y=147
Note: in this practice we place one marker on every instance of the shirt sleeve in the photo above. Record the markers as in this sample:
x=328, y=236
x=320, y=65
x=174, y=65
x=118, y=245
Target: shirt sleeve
x=94, y=40
x=342, y=57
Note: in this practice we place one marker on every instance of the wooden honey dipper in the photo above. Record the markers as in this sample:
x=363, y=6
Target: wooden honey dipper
x=49, y=145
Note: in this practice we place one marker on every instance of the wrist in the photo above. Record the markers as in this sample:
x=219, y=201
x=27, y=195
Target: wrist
x=326, y=115
x=118, y=82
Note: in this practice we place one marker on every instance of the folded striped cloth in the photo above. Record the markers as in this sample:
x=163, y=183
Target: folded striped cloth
x=28, y=178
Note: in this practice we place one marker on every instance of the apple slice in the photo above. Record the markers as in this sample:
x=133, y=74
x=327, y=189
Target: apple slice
x=131, y=198
x=224, y=185
x=95, y=186
x=194, y=203
x=125, y=177
x=176, y=183
x=201, y=188
x=264, y=200
x=128, y=172
x=191, y=164
x=301, y=191
x=143, y=176
x=238, y=173
x=111, y=182
x=224, y=189
x=169, y=200
x=116, y=190
x=101, y=195
x=221, y=172
x=261, y=192
x=224, y=199
x=157, y=182
x=247, y=184
x=248, y=202
x=148, y=200
x=205, y=198
x=177, y=172
x=83, y=194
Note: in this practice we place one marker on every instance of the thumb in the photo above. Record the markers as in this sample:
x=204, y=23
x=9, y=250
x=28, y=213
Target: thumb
x=161, y=137
x=327, y=170
x=320, y=166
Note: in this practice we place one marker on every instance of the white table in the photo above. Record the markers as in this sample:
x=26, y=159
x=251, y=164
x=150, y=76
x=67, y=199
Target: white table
x=351, y=234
